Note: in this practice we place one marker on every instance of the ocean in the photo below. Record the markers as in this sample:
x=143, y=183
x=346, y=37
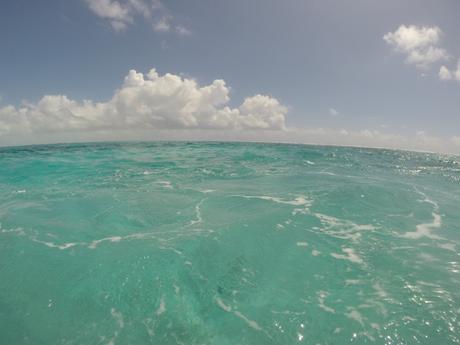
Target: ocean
x=228, y=243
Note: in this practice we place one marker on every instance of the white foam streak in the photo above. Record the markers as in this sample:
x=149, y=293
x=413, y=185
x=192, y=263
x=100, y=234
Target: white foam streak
x=95, y=243
x=159, y=235
x=18, y=231
x=342, y=228
x=118, y=316
x=165, y=184
x=353, y=314
x=351, y=256
x=198, y=219
x=251, y=323
x=321, y=297
x=54, y=245
x=426, y=229
x=162, y=307
x=299, y=201
x=221, y=304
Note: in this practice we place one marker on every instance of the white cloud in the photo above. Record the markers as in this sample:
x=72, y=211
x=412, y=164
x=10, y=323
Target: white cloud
x=409, y=38
x=59, y=119
x=118, y=13
x=333, y=112
x=183, y=31
x=262, y=111
x=110, y=9
x=446, y=74
x=457, y=72
x=419, y=43
x=162, y=25
x=146, y=102
x=122, y=13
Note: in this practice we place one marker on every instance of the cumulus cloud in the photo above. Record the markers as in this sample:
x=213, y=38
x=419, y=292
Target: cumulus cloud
x=418, y=43
x=146, y=102
x=446, y=74
x=122, y=13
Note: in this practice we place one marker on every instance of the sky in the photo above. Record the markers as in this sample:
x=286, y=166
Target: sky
x=364, y=72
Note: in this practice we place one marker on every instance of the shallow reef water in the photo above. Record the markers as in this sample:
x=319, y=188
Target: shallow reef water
x=228, y=243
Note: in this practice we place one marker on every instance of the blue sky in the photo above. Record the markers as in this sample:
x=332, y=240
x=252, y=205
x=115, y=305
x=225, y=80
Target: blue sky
x=326, y=71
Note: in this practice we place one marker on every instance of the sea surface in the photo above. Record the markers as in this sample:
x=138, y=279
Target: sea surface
x=228, y=243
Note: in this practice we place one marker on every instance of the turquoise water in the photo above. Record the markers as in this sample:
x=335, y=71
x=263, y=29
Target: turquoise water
x=228, y=243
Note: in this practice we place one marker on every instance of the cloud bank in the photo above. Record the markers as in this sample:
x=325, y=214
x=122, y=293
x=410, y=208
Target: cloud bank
x=169, y=107
x=147, y=102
